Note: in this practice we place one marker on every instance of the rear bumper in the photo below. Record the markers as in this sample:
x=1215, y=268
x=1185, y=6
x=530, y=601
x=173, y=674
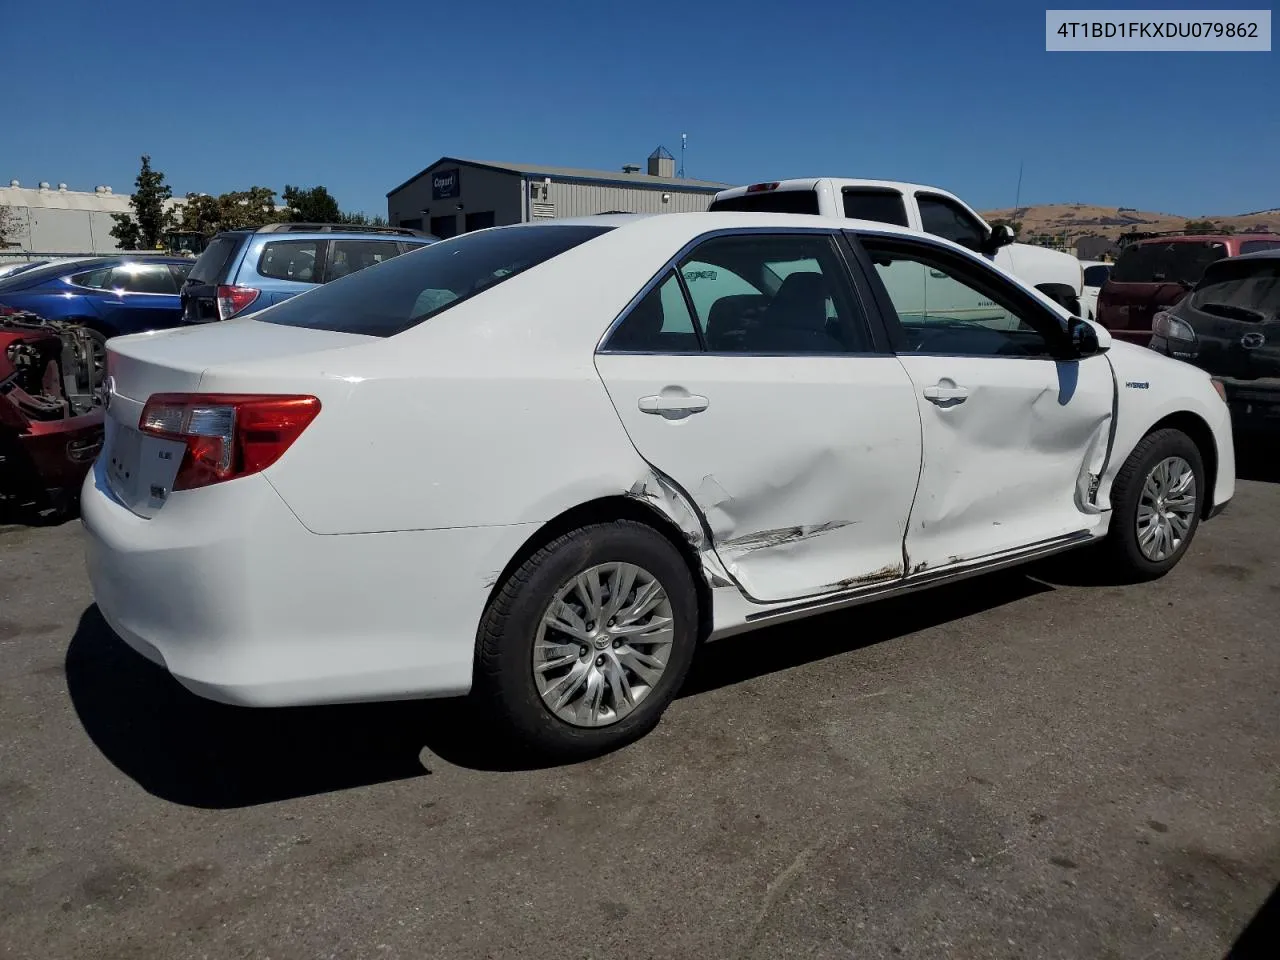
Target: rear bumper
x=242, y=604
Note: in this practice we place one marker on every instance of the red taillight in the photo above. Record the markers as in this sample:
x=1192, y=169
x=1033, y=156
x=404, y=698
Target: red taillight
x=228, y=435
x=761, y=187
x=231, y=300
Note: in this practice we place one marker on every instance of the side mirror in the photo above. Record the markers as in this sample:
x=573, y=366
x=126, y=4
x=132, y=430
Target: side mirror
x=1085, y=339
x=1001, y=236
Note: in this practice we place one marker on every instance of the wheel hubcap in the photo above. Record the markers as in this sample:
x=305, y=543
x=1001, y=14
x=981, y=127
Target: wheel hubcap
x=1166, y=508
x=603, y=644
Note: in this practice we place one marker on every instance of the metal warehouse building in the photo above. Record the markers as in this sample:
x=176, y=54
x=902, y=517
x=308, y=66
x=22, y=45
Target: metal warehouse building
x=454, y=196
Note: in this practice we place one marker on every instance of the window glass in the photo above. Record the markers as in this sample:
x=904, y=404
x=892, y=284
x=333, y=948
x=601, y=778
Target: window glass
x=882, y=206
x=94, y=279
x=659, y=323
x=143, y=278
x=774, y=295
x=944, y=218
x=290, y=260
x=771, y=201
x=348, y=256
x=180, y=272
x=1253, y=246
x=1096, y=276
x=210, y=264
x=951, y=311
x=404, y=291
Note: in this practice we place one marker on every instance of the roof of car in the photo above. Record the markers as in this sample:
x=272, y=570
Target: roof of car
x=1272, y=254
x=1203, y=237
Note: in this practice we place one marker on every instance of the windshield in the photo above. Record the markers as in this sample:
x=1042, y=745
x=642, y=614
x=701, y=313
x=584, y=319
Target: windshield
x=771, y=201
x=1180, y=261
x=400, y=293
x=1242, y=290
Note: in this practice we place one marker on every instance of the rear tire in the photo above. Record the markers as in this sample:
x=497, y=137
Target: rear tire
x=1156, y=502
x=586, y=685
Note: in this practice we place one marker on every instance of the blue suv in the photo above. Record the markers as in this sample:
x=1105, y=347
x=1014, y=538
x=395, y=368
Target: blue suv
x=243, y=271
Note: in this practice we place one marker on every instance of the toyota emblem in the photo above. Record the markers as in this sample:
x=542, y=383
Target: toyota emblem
x=1252, y=341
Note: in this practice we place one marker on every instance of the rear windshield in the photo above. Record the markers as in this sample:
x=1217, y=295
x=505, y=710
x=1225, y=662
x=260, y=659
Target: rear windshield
x=1242, y=290
x=1253, y=246
x=210, y=264
x=1096, y=276
x=771, y=201
x=1179, y=262
x=29, y=278
x=397, y=294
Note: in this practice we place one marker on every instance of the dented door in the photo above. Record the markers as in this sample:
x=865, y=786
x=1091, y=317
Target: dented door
x=1010, y=445
x=1013, y=433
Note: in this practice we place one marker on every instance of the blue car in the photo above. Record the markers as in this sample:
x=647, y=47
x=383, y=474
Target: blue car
x=243, y=271
x=113, y=295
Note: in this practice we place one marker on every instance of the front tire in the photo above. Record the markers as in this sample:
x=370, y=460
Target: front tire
x=1156, y=505
x=586, y=644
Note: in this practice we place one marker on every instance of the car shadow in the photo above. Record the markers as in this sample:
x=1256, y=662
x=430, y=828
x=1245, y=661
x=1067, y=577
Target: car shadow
x=1258, y=457
x=188, y=750
x=1260, y=936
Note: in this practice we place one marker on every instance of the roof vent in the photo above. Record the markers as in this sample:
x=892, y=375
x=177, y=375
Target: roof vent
x=15, y=182
x=106, y=189
x=62, y=188
x=662, y=163
x=44, y=184
x=631, y=168
x=99, y=189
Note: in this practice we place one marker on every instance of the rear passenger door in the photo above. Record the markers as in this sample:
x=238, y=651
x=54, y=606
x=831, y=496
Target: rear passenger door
x=750, y=374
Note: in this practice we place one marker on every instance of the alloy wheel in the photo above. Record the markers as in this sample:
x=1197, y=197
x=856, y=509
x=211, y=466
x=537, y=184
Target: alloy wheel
x=1166, y=508
x=602, y=645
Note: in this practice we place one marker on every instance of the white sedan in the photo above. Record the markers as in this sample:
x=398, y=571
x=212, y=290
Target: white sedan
x=542, y=463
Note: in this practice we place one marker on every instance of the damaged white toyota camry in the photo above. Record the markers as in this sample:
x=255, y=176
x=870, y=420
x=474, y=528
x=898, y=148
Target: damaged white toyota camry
x=542, y=463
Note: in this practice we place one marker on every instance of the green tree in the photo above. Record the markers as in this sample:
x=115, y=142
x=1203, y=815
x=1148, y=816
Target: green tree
x=1200, y=227
x=201, y=214
x=362, y=219
x=314, y=205
x=247, y=209
x=150, y=220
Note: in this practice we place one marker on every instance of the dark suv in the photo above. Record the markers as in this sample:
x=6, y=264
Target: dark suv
x=243, y=271
x=1156, y=273
x=1230, y=326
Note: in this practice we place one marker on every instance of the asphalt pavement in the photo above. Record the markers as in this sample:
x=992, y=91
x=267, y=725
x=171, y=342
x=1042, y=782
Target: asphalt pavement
x=1024, y=765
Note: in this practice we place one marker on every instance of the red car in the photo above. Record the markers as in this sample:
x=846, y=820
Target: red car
x=51, y=409
x=1158, y=272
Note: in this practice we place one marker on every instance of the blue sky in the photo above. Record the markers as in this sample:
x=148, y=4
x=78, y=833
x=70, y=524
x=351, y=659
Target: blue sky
x=361, y=96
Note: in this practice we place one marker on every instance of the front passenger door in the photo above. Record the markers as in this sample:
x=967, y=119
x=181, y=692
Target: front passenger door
x=140, y=296
x=1013, y=432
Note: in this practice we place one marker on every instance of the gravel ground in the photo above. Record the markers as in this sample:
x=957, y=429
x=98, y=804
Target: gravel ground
x=1023, y=765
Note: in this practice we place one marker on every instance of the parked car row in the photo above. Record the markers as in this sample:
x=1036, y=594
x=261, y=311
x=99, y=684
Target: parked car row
x=240, y=271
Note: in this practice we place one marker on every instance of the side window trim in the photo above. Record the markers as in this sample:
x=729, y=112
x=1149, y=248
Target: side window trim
x=688, y=305
x=975, y=271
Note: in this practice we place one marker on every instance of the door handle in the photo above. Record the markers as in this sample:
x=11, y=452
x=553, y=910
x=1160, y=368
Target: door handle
x=946, y=394
x=673, y=407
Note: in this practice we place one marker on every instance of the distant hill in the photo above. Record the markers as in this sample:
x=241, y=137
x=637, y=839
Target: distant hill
x=1082, y=219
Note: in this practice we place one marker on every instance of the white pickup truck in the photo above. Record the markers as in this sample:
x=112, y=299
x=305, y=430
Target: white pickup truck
x=1057, y=275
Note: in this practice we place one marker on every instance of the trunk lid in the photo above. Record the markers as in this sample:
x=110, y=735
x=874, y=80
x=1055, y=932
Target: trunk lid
x=243, y=356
